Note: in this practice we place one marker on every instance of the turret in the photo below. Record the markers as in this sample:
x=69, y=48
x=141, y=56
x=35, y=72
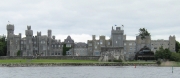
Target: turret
x=172, y=43
x=10, y=29
x=49, y=33
x=29, y=32
x=94, y=37
x=117, y=37
x=38, y=33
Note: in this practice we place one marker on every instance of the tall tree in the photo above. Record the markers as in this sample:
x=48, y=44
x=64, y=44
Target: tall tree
x=3, y=46
x=177, y=47
x=143, y=32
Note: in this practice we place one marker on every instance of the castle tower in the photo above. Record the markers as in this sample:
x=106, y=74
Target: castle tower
x=140, y=43
x=49, y=48
x=117, y=37
x=172, y=43
x=29, y=43
x=10, y=34
x=38, y=41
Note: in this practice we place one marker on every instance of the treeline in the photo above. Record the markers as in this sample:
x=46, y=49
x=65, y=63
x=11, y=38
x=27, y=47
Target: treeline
x=3, y=46
x=166, y=54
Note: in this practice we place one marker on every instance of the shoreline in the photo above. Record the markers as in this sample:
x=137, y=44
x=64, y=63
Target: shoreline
x=72, y=64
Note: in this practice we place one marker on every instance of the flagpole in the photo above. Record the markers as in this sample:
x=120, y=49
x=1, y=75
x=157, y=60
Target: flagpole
x=122, y=27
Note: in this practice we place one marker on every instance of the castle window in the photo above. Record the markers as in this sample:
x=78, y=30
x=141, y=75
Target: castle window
x=95, y=47
x=59, y=45
x=124, y=43
x=119, y=37
x=90, y=44
x=101, y=41
x=28, y=47
x=130, y=43
x=108, y=43
x=152, y=44
x=116, y=42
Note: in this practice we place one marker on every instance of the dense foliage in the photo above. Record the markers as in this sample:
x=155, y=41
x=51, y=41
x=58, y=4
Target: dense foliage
x=166, y=54
x=65, y=49
x=177, y=47
x=163, y=53
x=143, y=32
x=3, y=46
x=175, y=56
x=18, y=53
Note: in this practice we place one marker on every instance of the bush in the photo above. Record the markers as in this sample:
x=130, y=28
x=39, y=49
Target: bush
x=115, y=61
x=158, y=62
x=175, y=56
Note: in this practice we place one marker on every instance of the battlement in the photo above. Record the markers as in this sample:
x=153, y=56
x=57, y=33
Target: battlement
x=10, y=27
x=38, y=33
x=49, y=31
x=102, y=37
x=29, y=27
x=117, y=31
x=53, y=37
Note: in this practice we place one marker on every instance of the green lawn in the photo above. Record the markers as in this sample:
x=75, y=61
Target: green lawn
x=45, y=61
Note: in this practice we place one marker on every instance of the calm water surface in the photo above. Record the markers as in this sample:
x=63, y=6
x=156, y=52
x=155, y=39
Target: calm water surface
x=90, y=72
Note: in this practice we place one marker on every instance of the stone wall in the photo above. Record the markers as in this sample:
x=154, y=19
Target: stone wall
x=53, y=57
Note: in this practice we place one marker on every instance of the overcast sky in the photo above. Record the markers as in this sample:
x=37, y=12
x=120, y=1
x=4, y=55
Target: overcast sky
x=83, y=18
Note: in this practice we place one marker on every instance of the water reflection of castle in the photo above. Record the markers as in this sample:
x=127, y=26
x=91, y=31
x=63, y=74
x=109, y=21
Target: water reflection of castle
x=47, y=45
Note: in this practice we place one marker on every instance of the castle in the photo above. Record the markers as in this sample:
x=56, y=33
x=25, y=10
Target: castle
x=47, y=45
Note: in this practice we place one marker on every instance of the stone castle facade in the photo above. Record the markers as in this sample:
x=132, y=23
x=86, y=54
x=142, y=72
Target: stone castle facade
x=47, y=45
x=128, y=48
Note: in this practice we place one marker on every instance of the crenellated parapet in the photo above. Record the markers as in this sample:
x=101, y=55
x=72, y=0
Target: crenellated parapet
x=29, y=32
x=10, y=27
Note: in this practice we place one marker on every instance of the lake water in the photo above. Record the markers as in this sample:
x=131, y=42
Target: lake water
x=90, y=72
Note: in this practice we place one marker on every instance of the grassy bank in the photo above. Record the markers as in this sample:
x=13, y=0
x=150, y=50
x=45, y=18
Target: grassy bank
x=68, y=62
x=45, y=61
x=170, y=63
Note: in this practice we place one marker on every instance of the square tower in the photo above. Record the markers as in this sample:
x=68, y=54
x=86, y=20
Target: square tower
x=117, y=37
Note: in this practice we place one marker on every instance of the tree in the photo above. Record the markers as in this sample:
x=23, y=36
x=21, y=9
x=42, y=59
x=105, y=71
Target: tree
x=18, y=53
x=177, y=47
x=159, y=53
x=3, y=46
x=163, y=53
x=143, y=33
x=65, y=49
x=175, y=56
